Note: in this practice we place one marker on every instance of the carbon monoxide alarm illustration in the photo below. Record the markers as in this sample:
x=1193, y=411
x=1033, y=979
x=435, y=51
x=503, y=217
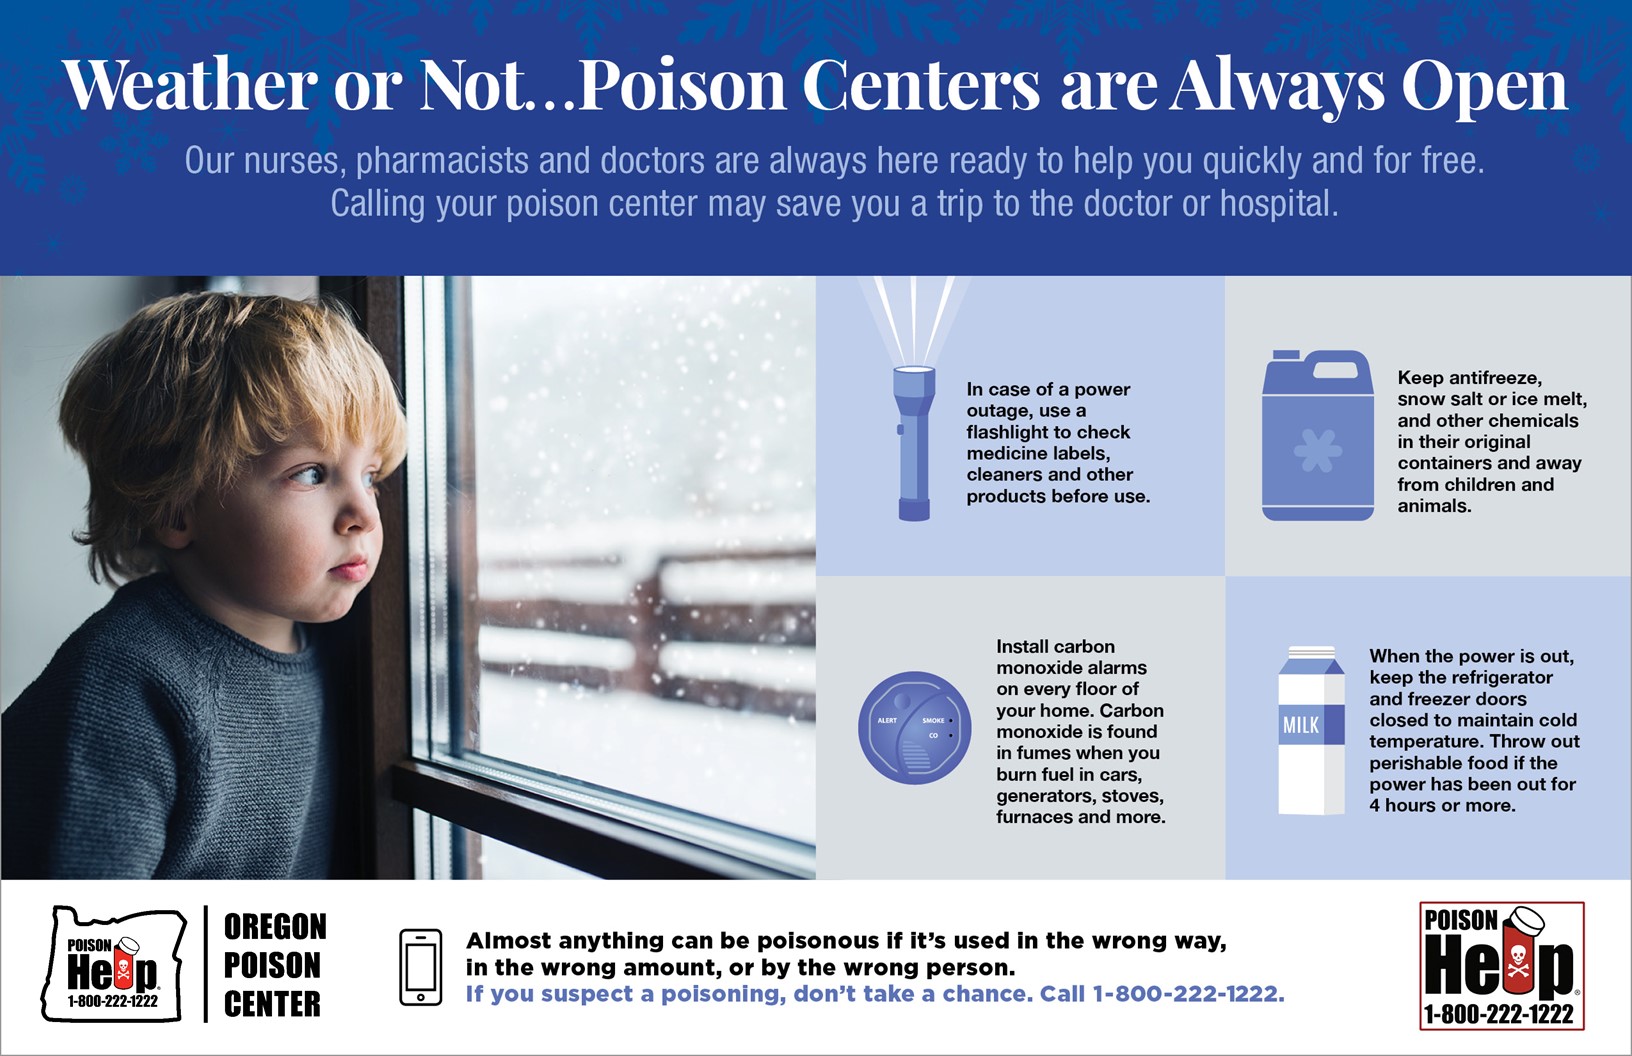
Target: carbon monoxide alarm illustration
x=914, y=727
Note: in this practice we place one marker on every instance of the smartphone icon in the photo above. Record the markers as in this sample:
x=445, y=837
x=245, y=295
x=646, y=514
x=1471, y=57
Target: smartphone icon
x=419, y=966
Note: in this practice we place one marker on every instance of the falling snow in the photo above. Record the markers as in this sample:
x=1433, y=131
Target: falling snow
x=647, y=402
x=642, y=448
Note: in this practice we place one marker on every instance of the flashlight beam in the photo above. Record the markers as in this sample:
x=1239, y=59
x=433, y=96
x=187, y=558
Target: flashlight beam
x=940, y=310
x=884, y=299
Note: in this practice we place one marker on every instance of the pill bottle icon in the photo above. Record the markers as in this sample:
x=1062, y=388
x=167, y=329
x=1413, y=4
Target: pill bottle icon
x=1310, y=716
x=1519, y=933
x=124, y=964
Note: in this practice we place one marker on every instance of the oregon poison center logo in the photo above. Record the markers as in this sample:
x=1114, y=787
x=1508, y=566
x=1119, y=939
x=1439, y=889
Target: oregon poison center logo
x=1502, y=965
x=123, y=970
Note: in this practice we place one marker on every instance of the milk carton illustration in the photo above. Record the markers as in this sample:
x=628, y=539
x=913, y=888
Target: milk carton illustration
x=1311, y=731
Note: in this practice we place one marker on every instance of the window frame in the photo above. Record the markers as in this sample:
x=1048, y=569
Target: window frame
x=399, y=680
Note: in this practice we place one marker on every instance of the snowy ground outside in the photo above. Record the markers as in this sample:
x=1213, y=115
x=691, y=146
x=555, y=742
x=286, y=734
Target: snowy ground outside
x=754, y=769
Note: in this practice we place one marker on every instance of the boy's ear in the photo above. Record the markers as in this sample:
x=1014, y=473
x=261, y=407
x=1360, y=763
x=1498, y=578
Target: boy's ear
x=178, y=534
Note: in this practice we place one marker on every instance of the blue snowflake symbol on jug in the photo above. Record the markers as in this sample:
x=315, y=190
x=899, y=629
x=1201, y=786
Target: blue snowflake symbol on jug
x=1317, y=451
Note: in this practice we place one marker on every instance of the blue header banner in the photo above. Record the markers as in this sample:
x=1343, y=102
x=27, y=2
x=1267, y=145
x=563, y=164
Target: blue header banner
x=830, y=136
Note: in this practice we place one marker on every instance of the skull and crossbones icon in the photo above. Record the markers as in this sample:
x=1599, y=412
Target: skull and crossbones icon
x=1517, y=965
x=123, y=972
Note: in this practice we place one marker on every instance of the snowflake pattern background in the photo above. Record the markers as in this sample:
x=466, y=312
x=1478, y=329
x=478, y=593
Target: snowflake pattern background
x=134, y=142
x=40, y=127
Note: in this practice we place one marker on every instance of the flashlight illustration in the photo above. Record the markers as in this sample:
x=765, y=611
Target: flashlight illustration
x=914, y=392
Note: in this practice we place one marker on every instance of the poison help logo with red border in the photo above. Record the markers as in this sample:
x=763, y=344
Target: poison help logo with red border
x=1502, y=965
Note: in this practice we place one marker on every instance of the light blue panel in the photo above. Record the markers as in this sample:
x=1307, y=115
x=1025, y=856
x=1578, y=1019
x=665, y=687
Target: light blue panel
x=1163, y=336
x=1580, y=834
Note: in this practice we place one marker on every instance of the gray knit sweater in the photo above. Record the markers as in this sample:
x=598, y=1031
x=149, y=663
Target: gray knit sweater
x=159, y=743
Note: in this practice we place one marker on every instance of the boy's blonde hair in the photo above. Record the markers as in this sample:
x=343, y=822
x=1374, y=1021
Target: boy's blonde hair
x=178, y=401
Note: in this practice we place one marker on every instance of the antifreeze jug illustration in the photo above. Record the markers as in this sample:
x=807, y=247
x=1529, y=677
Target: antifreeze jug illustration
x=1318, y=437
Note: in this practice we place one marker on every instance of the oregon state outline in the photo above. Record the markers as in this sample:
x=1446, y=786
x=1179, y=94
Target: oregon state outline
x=123, y=970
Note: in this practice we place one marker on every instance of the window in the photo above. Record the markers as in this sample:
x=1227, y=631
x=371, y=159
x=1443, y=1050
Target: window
x=611, y=581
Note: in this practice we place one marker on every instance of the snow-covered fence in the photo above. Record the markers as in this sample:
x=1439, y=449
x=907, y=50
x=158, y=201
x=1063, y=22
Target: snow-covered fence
x=729, y=630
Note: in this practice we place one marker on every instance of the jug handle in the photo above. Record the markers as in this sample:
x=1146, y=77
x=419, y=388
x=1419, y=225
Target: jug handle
x=1341, y=355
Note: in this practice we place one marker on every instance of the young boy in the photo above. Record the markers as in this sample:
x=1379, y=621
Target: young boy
x=233, y=446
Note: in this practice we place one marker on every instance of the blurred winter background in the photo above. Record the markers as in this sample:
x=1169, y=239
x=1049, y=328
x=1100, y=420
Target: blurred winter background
x=645, y=539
